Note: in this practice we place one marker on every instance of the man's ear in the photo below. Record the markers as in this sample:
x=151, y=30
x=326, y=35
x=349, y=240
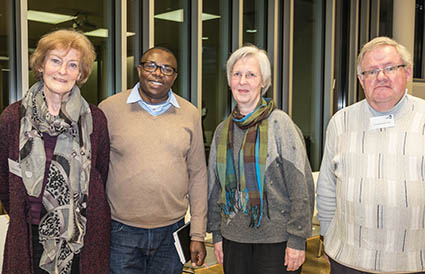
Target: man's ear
x=409, y=73
x=361, y=80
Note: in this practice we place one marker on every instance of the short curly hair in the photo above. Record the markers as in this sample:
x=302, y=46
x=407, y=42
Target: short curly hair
x=64, y=39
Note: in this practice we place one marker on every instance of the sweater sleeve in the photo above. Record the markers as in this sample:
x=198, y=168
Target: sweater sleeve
x=4, y=155
x=299, y=181
x=102, y=163
x=326, y=184
x=197, y=183
x=214, y=193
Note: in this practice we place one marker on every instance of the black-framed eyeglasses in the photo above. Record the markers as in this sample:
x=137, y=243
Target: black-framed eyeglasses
x=152, y=66
x=387, y=71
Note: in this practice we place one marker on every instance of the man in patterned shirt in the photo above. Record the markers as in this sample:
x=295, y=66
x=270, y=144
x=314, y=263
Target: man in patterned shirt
x=371, y=188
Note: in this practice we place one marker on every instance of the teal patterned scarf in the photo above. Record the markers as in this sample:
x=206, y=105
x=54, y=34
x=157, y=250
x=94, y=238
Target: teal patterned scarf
x=248, y=194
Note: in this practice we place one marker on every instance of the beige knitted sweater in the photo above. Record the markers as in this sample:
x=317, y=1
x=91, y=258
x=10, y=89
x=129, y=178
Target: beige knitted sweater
x=157, y=165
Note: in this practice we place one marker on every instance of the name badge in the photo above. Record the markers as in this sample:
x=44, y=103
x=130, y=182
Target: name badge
x=381, y=121
x=14, y=168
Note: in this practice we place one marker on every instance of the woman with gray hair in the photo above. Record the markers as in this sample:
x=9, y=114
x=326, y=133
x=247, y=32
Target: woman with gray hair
x=261, y=192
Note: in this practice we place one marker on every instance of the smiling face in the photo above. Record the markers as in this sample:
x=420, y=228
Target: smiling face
x=246, y=83
x=154, y=86
x=384, y=91
x=61, y=69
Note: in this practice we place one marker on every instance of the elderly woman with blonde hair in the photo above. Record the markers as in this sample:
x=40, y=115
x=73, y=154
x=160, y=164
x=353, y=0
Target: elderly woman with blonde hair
x=261, y=192
x=54, y=154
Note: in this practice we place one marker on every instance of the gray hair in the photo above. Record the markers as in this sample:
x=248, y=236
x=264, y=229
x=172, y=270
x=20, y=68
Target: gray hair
x=263, y=61
x=384, y=41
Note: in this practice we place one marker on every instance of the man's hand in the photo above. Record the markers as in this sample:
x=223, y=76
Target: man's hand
x=294, y=258
x=218, y=251
x=197, y=253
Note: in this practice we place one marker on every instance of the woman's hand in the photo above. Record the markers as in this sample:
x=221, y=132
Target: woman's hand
x=218, y=251
x=294, y=258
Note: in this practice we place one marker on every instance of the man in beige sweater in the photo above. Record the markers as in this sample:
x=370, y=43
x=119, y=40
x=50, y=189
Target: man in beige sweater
x=157, y=168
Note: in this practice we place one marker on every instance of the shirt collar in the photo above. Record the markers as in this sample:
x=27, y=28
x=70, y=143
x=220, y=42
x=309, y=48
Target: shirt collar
x=135, y=97
x=394, y=110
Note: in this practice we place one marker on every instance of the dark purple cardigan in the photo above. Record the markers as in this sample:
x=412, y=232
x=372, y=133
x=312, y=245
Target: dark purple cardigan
x=94, y=256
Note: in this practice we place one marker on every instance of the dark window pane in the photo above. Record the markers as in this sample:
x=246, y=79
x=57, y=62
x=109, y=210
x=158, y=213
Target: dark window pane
x=255, y=23
x=6, y=13
x=308, y=63
x=216, y=96
x=386, y=18
x=94, y=18
x=172, y=30
x=419, y=51
x=134, y=40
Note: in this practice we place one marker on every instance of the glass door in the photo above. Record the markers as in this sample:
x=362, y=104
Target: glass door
x=172, y=30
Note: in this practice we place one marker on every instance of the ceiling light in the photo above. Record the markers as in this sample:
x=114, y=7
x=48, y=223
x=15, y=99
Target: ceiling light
x=103, y=33
x=251, y=30
x=175, y=16
x=207, y=16
x=178, y=16
x=97, y=33
x=48, y=17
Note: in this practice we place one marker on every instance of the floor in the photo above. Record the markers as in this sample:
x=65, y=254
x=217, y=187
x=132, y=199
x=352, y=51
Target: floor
x=312, y=265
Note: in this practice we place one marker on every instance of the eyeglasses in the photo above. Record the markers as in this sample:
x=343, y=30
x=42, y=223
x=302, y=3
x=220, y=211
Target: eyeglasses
x=387, y=71
x=152, y=66
x=248, y=75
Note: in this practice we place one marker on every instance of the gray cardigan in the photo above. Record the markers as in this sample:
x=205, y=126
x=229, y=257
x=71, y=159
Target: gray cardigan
x=289, y=185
